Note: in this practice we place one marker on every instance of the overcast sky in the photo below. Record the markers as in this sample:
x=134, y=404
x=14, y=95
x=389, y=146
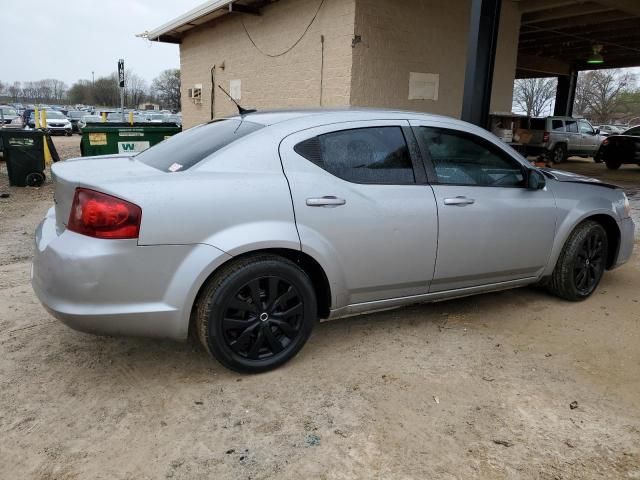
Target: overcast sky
x=68, y=39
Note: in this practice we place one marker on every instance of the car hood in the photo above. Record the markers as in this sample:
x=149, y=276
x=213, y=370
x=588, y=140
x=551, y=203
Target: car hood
x=568, y=177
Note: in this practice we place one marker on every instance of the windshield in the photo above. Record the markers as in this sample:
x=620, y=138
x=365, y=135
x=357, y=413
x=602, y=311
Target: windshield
x=75, y=114
x=91, y=118
x=54, y=114
x=188, y=148
x=8, y=112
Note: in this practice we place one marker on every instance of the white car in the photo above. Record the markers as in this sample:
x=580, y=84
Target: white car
x=56, y=123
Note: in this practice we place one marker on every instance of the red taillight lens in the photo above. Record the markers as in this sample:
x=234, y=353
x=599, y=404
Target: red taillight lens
x=545, y=137
x=99, y=215
x=605, y=141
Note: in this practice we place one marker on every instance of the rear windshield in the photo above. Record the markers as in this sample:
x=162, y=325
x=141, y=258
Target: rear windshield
x=183, y=151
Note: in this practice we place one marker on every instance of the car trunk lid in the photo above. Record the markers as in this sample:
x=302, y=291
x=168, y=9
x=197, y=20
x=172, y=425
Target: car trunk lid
x=96, y=173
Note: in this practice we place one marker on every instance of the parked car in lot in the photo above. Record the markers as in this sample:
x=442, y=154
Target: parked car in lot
x=88, y=119
x=557, y=138
x=9, y=117
x=606, y=130
x=74, y=117
x=57, y=123
x=247, y=230
x=619, y=149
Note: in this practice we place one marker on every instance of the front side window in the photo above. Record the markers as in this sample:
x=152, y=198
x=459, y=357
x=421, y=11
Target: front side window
x=460, y=158
x=585, y=128
x=373, y=155
x=572, y=126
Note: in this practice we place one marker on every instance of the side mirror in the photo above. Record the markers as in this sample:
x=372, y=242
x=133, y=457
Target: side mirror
x=536, y=180
x=597, y=131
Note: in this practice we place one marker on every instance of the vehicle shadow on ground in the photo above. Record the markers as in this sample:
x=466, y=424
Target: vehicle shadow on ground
x=151, y=360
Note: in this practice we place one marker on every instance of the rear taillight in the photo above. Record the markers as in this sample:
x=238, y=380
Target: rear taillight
x=605, y=141
x=99, y=215
x=545, y=137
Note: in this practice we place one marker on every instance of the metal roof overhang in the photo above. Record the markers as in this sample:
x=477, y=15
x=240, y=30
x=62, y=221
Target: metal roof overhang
x=557, y=36
x=173, y=31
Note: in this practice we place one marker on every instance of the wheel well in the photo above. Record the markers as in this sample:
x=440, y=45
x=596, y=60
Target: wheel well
x=306, y=262
x=613, y=236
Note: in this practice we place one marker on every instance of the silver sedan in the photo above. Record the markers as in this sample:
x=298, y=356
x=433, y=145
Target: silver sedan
x=247, y=230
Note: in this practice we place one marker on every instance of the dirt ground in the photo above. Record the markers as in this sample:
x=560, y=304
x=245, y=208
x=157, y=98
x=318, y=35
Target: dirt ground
x=472, y=388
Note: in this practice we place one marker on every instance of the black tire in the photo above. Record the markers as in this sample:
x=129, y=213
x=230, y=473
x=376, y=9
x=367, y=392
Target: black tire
x=613, y=165
x=597, y=158
x=581, y=264
x=35, y=179
x=253, y=340
x=558, y=154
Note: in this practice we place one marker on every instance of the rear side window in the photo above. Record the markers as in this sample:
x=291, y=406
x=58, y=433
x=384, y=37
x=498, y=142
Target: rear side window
x=374, y=155
x=538, y=123
x=572, y=126
x=183, y=151
x=557, y=125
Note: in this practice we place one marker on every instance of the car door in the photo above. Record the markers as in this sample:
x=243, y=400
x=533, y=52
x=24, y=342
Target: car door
x=590, y=141
x=492, y=229
x=363, y=208
x=574, y=141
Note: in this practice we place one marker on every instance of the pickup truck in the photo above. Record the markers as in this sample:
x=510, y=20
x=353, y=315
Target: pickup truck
x=557, y=138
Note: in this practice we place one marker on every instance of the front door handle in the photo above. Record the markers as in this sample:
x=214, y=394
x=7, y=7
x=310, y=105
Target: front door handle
x=328, y=201
x=459, y=201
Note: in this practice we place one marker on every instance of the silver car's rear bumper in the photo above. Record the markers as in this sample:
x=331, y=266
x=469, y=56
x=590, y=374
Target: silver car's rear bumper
x=115, y=287
x=627, y=238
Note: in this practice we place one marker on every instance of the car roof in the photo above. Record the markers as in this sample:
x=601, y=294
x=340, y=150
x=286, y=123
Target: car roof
x=328, y=115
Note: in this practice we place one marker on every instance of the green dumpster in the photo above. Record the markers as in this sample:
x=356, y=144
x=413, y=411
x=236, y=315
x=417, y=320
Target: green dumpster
x=23, y=152
x=109, y=138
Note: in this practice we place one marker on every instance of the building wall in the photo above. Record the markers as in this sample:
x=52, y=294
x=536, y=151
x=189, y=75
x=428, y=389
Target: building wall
x=290, y=80
x=399, y=37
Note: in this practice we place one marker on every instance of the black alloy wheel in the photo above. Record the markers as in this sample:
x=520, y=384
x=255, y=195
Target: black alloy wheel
x=589, y=263
x=581, y=263
x=263, y=318
x=256, y=313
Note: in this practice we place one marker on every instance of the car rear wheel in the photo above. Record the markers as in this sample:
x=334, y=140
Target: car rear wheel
x=582, y=262
x=559, y=154
x=257, y=313
x=613, y=165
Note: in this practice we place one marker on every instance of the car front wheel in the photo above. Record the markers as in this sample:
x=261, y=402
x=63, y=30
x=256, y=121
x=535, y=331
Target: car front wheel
x=581, y=263
x=257, y=313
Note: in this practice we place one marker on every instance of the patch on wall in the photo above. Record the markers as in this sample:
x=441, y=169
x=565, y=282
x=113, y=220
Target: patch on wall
x=424, y=86
x=235, y=89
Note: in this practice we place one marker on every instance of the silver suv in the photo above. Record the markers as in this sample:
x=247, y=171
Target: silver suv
x=557, y=138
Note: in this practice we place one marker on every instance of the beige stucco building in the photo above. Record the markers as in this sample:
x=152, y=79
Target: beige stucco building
x=409, y=54
x=355, y=52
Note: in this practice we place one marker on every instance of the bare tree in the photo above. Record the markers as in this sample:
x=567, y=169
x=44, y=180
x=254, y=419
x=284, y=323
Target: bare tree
x=167, y=88
x=2, y=87
x=15, y=91
x=135, y=89
x=599, y=93
x=534, y=95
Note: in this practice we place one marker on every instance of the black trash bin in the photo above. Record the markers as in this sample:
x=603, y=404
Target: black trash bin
x=23, y=152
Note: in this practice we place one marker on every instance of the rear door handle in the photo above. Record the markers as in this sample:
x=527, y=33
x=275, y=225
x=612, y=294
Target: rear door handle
x=328, y=201
x=459, y=201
